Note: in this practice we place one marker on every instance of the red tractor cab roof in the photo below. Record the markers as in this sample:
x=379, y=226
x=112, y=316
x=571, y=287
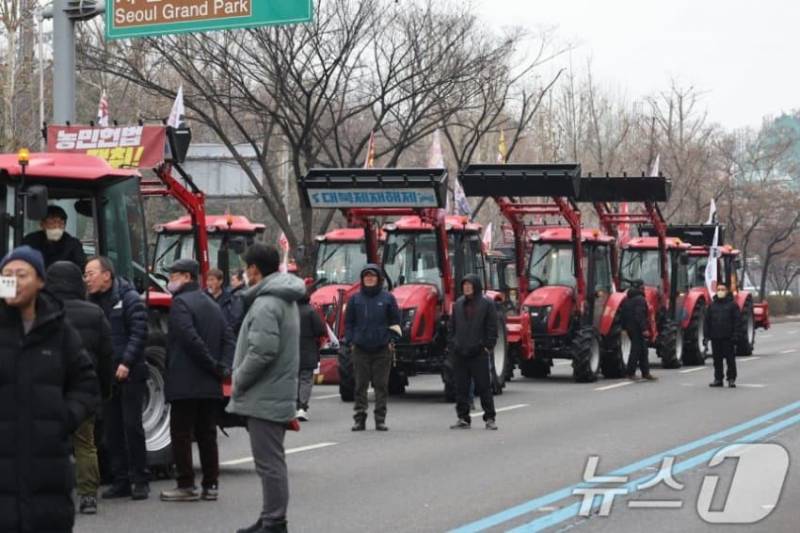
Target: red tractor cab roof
x=347, y=235
x=725, y=249
x=564, y=234
x=414, y=223
x=651, y=243
x=64, y=166
x=221, y=223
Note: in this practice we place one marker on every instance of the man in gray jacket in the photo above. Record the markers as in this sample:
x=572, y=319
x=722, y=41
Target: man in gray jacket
x=265, y=369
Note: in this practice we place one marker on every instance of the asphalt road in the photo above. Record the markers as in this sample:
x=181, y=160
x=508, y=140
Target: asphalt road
x=420, y=476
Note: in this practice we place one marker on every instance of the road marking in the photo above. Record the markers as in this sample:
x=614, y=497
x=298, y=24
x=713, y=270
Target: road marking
x=751, y=385
x=325, y=397
x=245, y=460
x=696, y=369
x=791, y=350
x=748, y=359
x=567, y=492
x=501, y=409
x=767, y=336
x=616, y=385
x=562, y=363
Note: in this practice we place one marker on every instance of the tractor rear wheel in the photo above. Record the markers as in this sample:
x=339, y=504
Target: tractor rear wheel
x=535, y=368
x=616, y=348
x=585, y=355
x=666, y=344
x=397, y=382
x=347, y=382
x=155, y=413
x=500, y=361
x=747, y=330
x=449, y=380
x=693, y=350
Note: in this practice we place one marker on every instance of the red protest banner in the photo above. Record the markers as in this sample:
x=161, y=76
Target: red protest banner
x=121, y=146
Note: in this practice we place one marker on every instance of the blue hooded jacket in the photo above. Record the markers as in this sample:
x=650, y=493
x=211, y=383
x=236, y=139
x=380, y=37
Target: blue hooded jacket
x=370, y=313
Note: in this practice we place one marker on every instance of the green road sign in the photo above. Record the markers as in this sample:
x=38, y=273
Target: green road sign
x=141, y=18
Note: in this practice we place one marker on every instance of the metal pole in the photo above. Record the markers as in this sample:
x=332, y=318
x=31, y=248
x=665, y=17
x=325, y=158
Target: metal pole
x=40, y=18
x=63, y=64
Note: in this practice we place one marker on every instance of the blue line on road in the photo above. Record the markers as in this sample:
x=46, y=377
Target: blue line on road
x=533, y=505
x=571, y=511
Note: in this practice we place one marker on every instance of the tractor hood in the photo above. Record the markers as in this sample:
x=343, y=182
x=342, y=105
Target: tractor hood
x=556, y=296
x=329, y=294
x=414, y=296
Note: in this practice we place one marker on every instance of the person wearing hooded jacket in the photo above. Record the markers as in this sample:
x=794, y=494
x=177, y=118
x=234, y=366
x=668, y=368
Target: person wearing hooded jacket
x=721, y=326
x=472, y=337
x=65, y=282
x=372, y=324
x=265, y=368
x=49, y=388
x=634, y=321
x=311, y=329
x=54, y=242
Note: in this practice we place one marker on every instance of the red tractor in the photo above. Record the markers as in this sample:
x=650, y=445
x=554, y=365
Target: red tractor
x=567, y=288
x=424, y=255
x=653, y=267
x=754, y=315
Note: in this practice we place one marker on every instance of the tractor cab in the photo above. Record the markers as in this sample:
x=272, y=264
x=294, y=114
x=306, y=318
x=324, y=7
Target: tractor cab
x=103, y=206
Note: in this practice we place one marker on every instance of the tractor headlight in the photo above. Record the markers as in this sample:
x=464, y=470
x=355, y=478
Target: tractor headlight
x=408, y=319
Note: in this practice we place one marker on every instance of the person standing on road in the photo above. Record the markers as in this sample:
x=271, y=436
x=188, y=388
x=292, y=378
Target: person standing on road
x=49, y=389
x=65, y=282
x=372, y=326
x=721, y=326
x=231, y=305
x=472, y=337
x=199, y=356
x=265, y=369
x=122, y=415
x=311, y=329
x=54, y=243
x=634, y=321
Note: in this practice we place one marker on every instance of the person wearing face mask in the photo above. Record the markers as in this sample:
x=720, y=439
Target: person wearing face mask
x=472, y=337
x=199, y=356
x=720, y=326
x=54, y=243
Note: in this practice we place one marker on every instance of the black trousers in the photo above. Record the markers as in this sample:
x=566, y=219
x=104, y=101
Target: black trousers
x=639, y=356
x=723, y=351
x=375, y=368
x=475, y=370
x=124, y=433
x=196, y=417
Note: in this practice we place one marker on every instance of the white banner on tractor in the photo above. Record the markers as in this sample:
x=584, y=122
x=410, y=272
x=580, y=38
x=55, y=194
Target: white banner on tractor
x=384, y=197
x=711, y=267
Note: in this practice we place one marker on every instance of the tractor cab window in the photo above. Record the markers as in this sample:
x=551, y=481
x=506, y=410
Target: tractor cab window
x=80, y=210
x=697, y=271
x=471, y=252
x=411, y=257
x=124, y=231
x=340, y=262
x=639, y=264
x=681, y=271
x=602, y=269
x=551, y=264
x=168, y=248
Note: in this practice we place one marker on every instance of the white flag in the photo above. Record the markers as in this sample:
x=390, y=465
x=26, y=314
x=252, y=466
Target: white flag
x=102, y=111
x=712, y=213
x=435, y=156
x=487, y=237
x=462, y=205
x=656, y=166
x=283, y=242
x=711, y=267
x=333, y=341
x=178, y=112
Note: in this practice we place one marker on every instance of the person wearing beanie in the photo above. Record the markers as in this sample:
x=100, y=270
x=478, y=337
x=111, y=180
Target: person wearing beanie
x=45, y=369
x=65, y=281
x=372, y=324
x=472, y=337
x=54, y=242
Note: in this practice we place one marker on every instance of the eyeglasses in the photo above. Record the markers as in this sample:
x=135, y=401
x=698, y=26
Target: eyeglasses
x=91, y=274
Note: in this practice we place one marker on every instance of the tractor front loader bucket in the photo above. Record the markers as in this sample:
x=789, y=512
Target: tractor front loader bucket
x=696, y=235
x=556, y=180
x=625, y=189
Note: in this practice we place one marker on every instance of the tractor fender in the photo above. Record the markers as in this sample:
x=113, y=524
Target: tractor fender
x=685, y=315
x=495, y=296
x=425, y=299
x=610, y=312
x=761, y=312
x=741, y=299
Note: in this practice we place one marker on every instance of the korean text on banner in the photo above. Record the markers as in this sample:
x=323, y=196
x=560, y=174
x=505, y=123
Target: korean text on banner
x=122, y=146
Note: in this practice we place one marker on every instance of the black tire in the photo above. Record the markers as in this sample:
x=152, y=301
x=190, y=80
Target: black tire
x=693, y=351
x=666, y=344
x=585, y=355
x=613, y=359
x=448, y=380
x=397, y=382
x=500, y=355
x=535, y=368
x=747, y=332
x=155, y=418
x=347, y=382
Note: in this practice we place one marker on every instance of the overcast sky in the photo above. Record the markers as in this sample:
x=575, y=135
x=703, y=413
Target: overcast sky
x=742, y=54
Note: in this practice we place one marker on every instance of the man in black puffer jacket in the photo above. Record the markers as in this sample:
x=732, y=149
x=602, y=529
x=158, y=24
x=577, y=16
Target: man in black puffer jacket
x=122, y=415
x=722, y=318
x=311, y=329
x=49, y=388
x=372, y=323
x=634, y=322
x=65, y=281
x=472, y=337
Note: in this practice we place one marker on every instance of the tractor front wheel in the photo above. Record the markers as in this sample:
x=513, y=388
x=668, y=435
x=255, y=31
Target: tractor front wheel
x=693, y=350
x=616, y=348
x=585, y=355
x=347, y=382
x=666, y=344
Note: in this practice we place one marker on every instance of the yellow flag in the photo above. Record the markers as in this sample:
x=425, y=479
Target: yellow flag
x=502, y=150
